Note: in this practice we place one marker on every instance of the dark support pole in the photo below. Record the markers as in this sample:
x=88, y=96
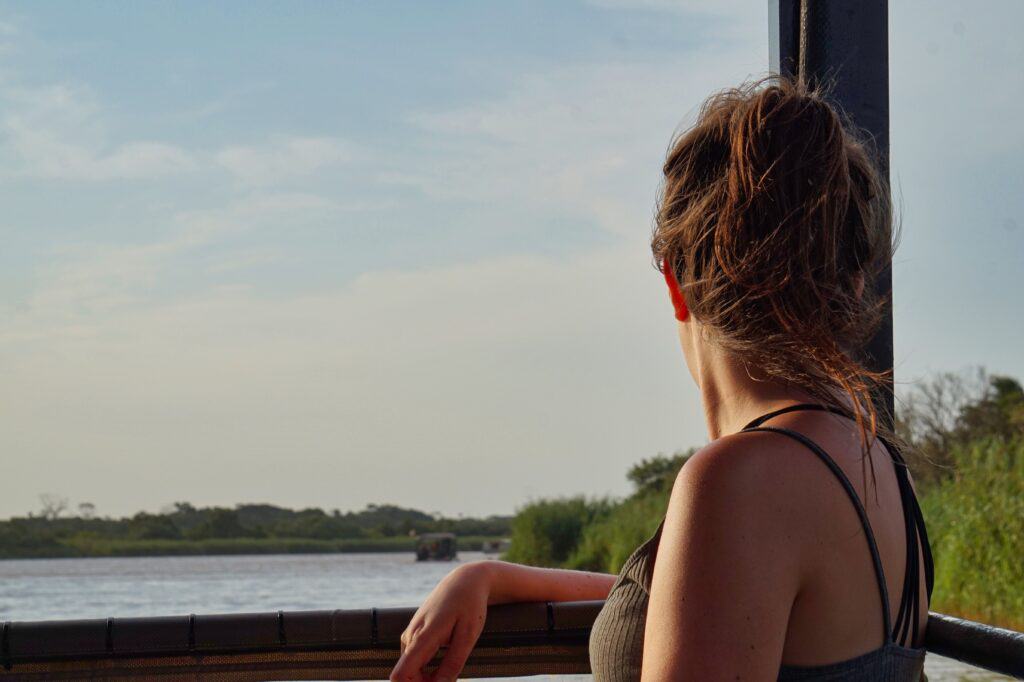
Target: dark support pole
x=844, y=44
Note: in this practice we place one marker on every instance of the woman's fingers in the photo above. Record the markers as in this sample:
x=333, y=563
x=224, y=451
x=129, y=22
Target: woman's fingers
x=463, y=640
x=408, y=669
x=452, y=616
x=417, y=650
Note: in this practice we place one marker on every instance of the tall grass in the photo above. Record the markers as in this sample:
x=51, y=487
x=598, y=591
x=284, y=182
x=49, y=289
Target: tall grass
x=976, y=526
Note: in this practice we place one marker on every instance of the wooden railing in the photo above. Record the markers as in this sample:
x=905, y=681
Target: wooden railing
x=518, y=640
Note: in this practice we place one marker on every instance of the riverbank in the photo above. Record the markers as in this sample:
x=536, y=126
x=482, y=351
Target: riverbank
x=81, y=548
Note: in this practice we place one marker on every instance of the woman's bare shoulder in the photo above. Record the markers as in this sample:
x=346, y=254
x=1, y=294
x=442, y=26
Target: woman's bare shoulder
x=756, y=478
x=746, y=457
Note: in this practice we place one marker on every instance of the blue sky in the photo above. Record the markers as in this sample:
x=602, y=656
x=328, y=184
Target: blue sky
x=337, y=253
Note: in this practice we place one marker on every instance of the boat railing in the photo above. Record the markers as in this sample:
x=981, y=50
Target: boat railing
x=518, y=640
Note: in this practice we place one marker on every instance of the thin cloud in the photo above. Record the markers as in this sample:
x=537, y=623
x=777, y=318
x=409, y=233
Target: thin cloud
x=83, y=284
x=58, y=132
x=585, y=138
x=283, y=159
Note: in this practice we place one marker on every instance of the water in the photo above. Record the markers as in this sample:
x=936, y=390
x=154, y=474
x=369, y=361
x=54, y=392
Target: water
x=36, y=589
x=39, y=589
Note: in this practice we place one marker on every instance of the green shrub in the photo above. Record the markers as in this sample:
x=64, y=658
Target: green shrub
x=608, y=542
x=546, y=532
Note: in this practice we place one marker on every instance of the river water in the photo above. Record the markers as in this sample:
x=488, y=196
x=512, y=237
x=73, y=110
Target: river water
x=39, y=589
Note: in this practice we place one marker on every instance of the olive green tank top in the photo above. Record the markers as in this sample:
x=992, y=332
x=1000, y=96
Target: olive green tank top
x=617, y=637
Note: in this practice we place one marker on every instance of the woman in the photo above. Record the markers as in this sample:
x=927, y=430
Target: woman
x=770, y=563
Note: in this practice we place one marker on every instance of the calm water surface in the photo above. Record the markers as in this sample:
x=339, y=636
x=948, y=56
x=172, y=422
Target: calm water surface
x=38, y=589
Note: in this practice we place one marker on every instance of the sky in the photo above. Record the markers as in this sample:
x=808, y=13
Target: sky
x=332, y=254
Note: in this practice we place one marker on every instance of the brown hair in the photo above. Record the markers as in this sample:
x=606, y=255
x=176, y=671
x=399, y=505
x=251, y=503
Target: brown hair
x=772, y=212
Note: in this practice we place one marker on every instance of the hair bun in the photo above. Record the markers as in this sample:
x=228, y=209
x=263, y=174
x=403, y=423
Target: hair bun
x=773, y=211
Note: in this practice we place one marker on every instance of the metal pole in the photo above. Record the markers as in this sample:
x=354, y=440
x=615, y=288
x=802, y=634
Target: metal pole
x=844, y=44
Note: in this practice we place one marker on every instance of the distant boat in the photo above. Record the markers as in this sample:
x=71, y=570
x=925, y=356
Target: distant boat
x=436, y=547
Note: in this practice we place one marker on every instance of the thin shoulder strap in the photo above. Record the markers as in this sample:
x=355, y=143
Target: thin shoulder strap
x=907, y=618
x=852, y=494
x=815, y=407
x=903, y=478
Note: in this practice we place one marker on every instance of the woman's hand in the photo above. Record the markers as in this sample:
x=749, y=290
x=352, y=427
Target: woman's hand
x=452, y=616
x=454, y=613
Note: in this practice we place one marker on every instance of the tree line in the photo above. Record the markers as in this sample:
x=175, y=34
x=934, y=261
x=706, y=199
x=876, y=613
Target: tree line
x=243, y=528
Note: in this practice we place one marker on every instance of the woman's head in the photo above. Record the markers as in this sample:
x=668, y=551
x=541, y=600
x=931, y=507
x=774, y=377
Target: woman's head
x=772, y=217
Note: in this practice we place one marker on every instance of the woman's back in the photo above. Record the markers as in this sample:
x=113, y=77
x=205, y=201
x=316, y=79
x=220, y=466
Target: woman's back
x=836, y=621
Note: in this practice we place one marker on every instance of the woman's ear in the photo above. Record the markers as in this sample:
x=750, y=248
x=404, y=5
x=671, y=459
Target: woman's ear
x=858, y=285
x=678, y=302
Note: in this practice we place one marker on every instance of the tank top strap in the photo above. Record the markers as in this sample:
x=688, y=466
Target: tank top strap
x=907, y=625
x=797, y=408
x=914, y=509
x=837, y=471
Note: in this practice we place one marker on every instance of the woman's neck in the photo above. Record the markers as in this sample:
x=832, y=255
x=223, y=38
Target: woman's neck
x=732, y=397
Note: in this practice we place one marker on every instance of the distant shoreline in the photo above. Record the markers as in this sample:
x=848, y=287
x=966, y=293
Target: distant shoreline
x=252, y=528
x=76, y=548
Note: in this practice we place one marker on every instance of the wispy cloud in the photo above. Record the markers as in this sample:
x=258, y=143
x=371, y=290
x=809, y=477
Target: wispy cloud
x=729, y=8
x=80, y=286
x=728, y=20
x=587, y=138
x=283, y=158
x=223, y=102
x=58, y=132
x=7, y=33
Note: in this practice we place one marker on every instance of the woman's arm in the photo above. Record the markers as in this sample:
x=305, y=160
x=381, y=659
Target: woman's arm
x=726, y=574
x=515, y=582
x=453, y=614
